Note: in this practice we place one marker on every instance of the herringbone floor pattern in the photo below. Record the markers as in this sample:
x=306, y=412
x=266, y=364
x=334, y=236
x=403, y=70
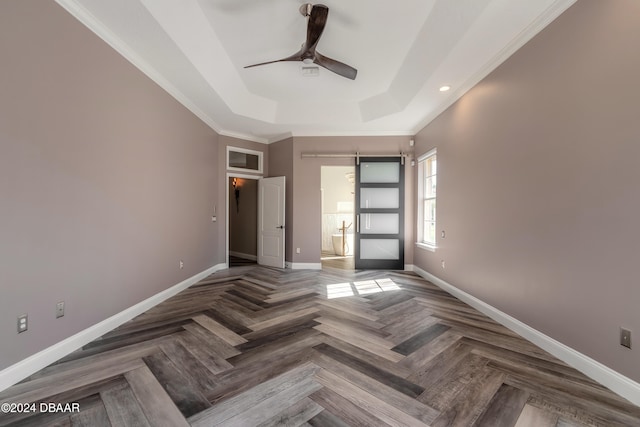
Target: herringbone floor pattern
x=257, y=346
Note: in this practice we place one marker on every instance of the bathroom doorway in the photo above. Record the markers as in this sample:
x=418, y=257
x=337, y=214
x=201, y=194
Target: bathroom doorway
x=338, y=208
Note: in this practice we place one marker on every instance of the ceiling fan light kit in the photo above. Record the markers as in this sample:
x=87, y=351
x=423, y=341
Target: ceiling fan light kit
x=317, y=19
x=312, y=71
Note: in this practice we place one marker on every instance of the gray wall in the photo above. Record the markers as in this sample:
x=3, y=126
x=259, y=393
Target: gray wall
x=538, y=186
x=106, y=182
x=281, y=164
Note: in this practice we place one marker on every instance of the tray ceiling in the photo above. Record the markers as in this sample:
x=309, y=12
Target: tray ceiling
x=403, y=51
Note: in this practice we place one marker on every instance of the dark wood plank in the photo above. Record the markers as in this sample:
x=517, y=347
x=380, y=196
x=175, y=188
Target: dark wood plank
x=245, y=299
x=238, y=380
x=154, y=401
x=266, y=336
x=471, y=401
x=178, y=386
x=214, y=343
x=227, y=321
x=380, y=375
x=326, y=419
x=294, y=415
x=94, y=415
x=199, y=375
x=122, y=407
x=267, y=397
x=344, y=410
x=441, y=393
x=414, y=343
x=204, y=353
x=438, y=366
x=375, y=391
x=505, y=407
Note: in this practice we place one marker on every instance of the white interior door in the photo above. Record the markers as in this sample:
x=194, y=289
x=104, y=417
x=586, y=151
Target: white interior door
x=271, y=221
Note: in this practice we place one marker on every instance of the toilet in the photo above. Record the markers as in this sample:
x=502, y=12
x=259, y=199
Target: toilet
x=337, y=244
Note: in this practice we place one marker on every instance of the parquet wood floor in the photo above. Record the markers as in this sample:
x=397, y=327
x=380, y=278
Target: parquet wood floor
x=255, y=346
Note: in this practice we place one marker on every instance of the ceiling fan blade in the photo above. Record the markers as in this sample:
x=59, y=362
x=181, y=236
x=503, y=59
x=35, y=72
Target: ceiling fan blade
x=295, y=57
x=336, y=66
x=315, y=26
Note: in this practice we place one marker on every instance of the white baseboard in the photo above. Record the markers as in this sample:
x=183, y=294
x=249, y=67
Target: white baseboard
x=408, y=267
x=243, y=256
x=32, y=364
x=595, y=370
x=304, y=265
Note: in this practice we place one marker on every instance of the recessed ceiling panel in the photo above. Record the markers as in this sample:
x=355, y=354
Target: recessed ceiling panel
x=403, y=51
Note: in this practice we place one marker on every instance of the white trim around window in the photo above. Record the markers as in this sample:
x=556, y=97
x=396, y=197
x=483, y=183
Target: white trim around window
x=427, y=182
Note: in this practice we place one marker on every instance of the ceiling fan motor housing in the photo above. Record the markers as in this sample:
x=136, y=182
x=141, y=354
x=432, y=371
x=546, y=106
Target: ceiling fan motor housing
x=305, y=9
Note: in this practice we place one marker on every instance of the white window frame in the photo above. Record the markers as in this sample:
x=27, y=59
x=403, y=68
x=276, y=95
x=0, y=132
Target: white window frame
x=247, y=151
x=422, y=161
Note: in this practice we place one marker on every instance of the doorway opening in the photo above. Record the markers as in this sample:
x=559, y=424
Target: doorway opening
x=338, y=209
x=242, y=217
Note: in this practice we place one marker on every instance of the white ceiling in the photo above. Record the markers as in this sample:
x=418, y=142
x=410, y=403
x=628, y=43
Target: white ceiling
x=403, y=51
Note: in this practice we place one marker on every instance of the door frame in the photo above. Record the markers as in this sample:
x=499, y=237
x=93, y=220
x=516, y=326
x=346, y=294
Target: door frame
x=228, y=206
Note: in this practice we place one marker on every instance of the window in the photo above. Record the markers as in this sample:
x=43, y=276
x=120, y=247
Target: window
x=241, y=159
x=427, y=173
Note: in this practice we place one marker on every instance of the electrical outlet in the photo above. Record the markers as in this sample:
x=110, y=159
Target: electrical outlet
x=181, y=264
x=625, y=338
x=442, y=234
x=23, y=323
x=297, y=250
x=442, y=263
x=59, y=309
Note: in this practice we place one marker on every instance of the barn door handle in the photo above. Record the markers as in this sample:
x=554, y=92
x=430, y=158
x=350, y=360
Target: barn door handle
x=280, y=226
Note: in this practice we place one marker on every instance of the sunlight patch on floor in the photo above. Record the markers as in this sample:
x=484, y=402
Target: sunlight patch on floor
x=365, y=287
x=339, y=290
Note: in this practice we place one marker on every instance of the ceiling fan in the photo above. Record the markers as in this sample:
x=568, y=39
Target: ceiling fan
x=317, y=19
